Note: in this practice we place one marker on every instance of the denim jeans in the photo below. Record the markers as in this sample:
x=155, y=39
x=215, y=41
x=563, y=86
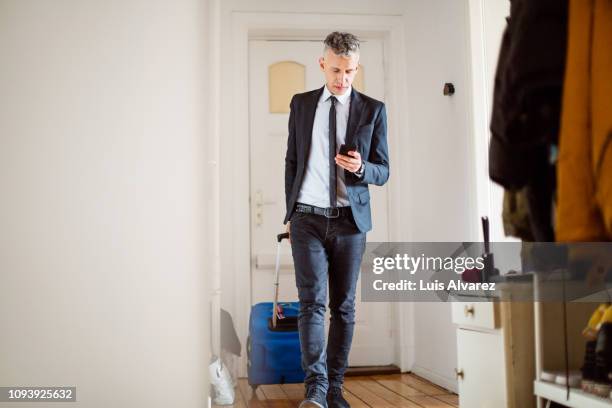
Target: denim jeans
x=326, y=252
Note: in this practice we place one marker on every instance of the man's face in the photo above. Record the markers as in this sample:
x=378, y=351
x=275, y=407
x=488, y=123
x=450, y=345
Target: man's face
x=339, y=71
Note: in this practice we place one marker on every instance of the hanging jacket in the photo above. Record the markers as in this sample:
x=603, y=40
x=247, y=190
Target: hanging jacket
x=527, y=94
x=584, y=170
x=526, y=112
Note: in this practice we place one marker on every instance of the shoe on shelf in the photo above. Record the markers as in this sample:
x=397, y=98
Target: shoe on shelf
x=603, y=361
x=588, y=368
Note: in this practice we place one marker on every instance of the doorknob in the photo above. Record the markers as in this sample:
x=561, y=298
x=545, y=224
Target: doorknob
x=259, y=204
x=459, y=374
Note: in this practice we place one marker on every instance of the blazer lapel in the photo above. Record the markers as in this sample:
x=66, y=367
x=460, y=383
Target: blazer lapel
x=354, y=115
x=309, y=117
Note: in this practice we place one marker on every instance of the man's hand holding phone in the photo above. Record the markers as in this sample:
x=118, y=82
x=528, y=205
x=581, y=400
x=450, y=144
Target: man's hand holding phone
x=349, y=158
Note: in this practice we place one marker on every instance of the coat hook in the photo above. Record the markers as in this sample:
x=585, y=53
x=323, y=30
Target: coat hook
x=449, y=89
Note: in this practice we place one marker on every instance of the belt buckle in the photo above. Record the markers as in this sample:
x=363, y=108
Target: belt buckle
x=329, y=212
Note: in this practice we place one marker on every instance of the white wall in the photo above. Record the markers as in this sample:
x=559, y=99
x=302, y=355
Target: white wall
x=441, y=196
x=102, y=269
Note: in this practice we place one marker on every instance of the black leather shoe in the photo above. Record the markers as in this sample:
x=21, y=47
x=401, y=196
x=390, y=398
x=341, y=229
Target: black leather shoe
x=335, y=398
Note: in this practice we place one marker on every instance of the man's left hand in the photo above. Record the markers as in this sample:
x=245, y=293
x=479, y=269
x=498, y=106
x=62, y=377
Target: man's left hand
x=349, y=163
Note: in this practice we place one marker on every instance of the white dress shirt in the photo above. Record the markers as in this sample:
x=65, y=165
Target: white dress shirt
x=315, y=186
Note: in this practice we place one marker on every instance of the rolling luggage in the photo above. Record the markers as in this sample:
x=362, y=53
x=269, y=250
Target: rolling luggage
x=273, y=345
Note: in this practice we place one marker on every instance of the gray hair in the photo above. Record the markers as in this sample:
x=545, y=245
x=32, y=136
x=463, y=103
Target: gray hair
x=342, y=43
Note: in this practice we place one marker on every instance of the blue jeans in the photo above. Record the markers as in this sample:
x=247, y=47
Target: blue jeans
x=326, y=250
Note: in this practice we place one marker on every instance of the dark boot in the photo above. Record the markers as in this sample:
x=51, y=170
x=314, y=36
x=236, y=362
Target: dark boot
x=335, y=398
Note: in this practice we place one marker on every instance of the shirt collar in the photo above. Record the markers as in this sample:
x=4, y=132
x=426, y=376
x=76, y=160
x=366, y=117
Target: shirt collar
x=341, y=98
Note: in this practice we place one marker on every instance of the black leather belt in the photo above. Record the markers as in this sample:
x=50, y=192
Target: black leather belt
x=325, y=212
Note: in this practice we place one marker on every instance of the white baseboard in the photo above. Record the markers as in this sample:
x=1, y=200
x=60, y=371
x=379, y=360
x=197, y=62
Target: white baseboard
x=448, y=383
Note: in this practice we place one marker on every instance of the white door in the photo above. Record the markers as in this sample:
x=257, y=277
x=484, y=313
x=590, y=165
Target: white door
x=373, y=340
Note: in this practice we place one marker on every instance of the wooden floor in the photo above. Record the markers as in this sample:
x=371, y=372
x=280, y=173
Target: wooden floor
x=379, y=391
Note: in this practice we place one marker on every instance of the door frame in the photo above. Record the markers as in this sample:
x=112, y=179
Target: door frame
x=247, y=26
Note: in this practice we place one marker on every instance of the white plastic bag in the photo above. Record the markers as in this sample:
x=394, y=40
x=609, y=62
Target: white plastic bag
x=222, y=383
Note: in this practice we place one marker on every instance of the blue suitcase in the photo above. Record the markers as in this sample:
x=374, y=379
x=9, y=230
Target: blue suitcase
x=273, y=345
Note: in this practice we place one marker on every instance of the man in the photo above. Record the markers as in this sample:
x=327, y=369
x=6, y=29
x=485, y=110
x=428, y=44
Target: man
x=328, y=226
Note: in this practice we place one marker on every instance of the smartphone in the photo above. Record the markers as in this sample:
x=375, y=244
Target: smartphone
x=344, y=149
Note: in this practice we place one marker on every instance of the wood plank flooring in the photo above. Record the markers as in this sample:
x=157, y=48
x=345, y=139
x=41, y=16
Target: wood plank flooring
x=378, y=391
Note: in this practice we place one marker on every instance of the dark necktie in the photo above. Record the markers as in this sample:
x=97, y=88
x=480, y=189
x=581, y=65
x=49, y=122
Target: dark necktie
x=332, y=152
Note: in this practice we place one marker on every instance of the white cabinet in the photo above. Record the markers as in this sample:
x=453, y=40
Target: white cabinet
x=495, y=354
x=480, y=355
x=480, y=369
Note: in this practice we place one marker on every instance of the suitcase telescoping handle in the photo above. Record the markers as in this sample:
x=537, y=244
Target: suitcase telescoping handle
x=279, y=240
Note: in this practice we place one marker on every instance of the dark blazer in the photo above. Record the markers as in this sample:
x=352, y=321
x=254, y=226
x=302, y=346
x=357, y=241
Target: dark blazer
x=366, y=129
